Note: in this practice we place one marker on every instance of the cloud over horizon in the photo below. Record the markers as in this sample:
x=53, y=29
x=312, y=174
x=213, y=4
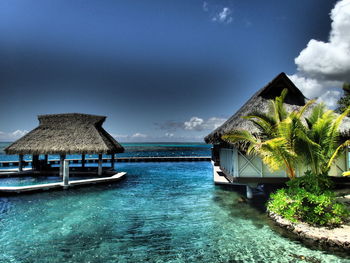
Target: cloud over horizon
x=199, y=124
x=11, y=136
x=193, y=124
x=166, y=137
x=322, y=67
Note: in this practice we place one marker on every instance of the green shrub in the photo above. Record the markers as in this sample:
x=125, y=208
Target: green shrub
x=307, y=199
x=301, y=205
x=316, y=184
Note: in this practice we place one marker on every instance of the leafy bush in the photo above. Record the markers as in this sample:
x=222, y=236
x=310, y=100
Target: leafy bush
x=316, y=184
x=307, y=199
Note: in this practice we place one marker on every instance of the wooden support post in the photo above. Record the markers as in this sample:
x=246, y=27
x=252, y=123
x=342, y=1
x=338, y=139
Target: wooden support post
x=20, y=163
x=65, y=174
x=83, y=160
x=35, y=161
x=99, y=169
x=62, y=157
x=249, y=192
x=46, y=158
x=112, y=161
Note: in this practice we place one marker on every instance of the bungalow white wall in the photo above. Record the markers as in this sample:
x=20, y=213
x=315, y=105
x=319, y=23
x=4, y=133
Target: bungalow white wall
x=340, y=165
x=236, y=164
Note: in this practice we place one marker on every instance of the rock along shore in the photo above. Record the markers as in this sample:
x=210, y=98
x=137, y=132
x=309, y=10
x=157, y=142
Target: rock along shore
x=322, y=237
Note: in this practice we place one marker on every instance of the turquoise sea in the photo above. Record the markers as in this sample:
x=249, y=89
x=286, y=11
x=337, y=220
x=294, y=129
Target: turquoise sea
x=136, y=150
x=161, y=212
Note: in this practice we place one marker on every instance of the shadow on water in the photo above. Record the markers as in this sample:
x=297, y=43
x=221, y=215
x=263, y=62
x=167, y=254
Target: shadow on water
x=232, y=199
x=70, y=248
x=260, y=197
x=111, y=243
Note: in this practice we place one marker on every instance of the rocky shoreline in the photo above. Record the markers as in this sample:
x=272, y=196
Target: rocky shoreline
x=322, y=237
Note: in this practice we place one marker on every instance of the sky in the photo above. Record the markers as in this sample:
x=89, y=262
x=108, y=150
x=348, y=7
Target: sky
x=163, y=70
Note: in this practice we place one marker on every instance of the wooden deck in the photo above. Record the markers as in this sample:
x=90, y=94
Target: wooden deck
x=219, y=176
x=60, y=185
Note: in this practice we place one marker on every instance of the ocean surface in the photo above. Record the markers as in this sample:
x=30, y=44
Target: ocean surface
x=161, y=212
x=135, y=150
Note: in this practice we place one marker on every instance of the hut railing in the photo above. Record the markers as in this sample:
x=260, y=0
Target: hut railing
x=229, y=161
x=235, y=163
x=347, y=156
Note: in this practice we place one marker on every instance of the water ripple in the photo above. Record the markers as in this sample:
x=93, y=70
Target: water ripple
x=169, y=212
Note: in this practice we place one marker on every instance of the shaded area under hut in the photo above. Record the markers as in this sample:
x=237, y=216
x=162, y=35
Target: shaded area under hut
x=62, y=134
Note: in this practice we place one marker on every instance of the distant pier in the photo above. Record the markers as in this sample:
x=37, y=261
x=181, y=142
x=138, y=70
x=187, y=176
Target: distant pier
x=10, y=164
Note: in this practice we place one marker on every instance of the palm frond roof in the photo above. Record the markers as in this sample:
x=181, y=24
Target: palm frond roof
x=260, y=101
x=69, y=133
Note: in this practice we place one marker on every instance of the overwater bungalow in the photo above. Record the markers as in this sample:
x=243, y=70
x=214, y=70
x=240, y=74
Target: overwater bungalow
x=232, y=165
x=63, y=134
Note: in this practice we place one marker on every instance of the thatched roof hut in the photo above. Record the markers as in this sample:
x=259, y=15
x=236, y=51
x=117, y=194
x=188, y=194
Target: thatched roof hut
x=260, y=101
x=71, y=133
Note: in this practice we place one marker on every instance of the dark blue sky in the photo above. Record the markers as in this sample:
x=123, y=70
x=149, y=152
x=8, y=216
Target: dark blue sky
x=160, y=70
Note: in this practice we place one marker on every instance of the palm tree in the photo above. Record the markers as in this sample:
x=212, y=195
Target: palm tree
x=319, y=139
x=276, y=139
x=284, y=141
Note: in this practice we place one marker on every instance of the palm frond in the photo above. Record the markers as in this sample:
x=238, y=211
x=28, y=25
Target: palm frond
x=239, y=136
x=336, y=153
x=334, y=130
x=316, y=113
x=302, y=110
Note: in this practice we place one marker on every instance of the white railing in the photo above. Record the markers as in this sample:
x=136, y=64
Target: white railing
x=347, y=155
x=227, y=160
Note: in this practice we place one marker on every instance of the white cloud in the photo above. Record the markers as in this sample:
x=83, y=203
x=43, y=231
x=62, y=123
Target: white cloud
x=214, y=122
x=168, y=134
x=167, y=137
x=224, y=16
x=194, y=123
x=218, y=13
x=324, y=66
x=310, y=87
x=330, y=98
x=199, y=124
x=138, y=135
x=11, y=136
x=330, y=60
x=19, y=133
x=119, y=135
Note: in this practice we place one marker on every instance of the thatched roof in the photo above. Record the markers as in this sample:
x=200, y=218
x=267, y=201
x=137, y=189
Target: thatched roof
x=70, y=133
x=260, y=101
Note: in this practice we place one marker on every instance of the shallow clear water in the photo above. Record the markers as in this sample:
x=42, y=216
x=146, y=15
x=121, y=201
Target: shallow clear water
x=30, y=180
x=162, y=212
